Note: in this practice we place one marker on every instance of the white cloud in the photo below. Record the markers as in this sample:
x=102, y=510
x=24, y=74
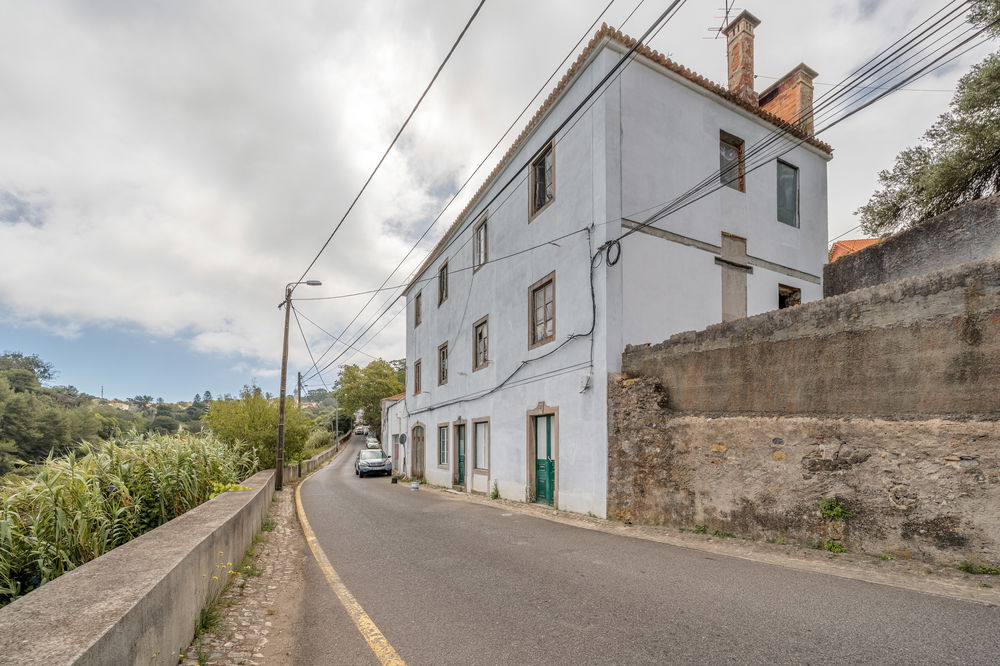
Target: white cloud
x=186, y=160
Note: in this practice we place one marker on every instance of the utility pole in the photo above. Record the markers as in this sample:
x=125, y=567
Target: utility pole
x=298, y=390
x=279, y=454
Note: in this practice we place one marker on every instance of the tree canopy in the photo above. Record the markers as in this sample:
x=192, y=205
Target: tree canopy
x=363, y=388
x=251, y=421
x=18, y=361
x=958, y=159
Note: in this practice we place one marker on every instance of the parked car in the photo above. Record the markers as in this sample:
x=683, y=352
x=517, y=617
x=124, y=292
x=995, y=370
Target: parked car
x=372, y=443
x=372, y=461
x=360, y=430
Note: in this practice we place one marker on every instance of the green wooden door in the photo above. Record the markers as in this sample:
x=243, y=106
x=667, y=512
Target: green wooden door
x=545, y=465
x=460, y=455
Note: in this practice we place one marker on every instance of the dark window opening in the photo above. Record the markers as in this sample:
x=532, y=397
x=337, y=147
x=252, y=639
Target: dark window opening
x=788, y=296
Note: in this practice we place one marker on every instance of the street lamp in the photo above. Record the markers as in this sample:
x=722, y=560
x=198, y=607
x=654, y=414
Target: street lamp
x=279, y=458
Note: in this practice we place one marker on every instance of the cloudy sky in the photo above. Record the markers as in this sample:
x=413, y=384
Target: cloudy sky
x=167, y=166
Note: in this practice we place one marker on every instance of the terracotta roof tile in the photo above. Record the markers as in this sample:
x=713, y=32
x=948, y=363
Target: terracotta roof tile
x=845, y=247
x=394, y=398
x=612, y=34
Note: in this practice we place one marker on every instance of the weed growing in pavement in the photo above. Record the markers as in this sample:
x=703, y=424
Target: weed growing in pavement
x=723, y=535
x=495, y=493
x=887, y=557
x=986, y=585
x=701, y=529
x=978, y=569
x=830, y=546
x=208, y=620
x=268, y=524
x=202, y=655
x=832, y=508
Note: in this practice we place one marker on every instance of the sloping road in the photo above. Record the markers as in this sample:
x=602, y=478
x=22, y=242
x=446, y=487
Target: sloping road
x=453, y=582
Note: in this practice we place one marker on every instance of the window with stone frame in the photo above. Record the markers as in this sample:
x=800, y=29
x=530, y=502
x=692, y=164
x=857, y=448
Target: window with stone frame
x=417, y=377
x=442, y=445
x=542, y=311
x=443, y=364
x=480, y=245
x=443, y=283
x=480, y=344
x=788, y=194
x=542, y=183
x=731, y=168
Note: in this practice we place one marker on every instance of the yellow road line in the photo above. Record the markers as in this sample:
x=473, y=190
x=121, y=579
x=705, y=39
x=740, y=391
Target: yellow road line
x=376, y=640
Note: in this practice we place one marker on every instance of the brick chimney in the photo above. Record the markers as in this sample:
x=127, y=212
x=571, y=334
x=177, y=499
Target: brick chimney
x=739, y=41
x=791, y=97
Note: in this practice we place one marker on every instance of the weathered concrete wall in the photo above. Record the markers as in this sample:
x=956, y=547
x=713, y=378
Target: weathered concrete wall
x=922, y=489
x=139, y=603
x=306, y=467
x=967, y=233
x=928, y=345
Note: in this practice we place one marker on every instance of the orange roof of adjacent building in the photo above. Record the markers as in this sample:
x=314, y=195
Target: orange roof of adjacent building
x=394, y=398
x=845, y=247
x=655, y=56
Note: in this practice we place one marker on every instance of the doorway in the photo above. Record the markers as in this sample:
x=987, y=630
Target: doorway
x=545, y=464
x=459, y=475
x=417, y=448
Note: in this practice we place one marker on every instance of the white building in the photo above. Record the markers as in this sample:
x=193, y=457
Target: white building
x=393, y=411
x=512, y=327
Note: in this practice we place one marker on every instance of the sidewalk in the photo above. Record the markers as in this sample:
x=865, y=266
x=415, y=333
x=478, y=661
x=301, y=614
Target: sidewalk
x=257, y=613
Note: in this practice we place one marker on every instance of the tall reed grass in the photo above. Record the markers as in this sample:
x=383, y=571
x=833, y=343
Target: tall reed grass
x=76, y=507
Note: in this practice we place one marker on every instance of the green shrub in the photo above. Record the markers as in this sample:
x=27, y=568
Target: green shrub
x=979, y=569
x=74, y=508
x=832, y=508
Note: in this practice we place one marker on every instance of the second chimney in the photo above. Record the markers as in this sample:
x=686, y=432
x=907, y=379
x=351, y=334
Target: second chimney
x=739, y=41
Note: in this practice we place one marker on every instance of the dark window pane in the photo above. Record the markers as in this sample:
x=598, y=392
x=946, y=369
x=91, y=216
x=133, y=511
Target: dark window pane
x=788, y=194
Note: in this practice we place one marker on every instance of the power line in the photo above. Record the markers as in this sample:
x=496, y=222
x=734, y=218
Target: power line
x=850, y=88
x=686, y=199
x=669, y=12
x=388, y=302
x=306, y=343
x=393, y=142
x=821, y=83
x=527, y=106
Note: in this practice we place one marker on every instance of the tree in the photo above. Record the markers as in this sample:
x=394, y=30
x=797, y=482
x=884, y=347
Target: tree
x=251, y=421
x=958, y=159
x=208, y=396
x=18, y=361
x=364, y=389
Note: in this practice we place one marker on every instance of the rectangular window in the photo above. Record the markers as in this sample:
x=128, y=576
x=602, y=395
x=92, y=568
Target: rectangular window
x=443, y=283
x=542, y=180
x=480, y=344
x=788, y=296
x=417, y=375
x=542, y=314
x=442, y=445
x=418, y=302
x=480, y=246
x=731, y=172
x=788, y=194
x=443, y=364
x=481, y=443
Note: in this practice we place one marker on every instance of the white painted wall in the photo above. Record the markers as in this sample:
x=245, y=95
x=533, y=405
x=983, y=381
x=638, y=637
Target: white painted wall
x=640, y=144
x=394, y=423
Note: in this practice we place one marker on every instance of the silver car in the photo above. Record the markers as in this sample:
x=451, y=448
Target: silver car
x=372, y=461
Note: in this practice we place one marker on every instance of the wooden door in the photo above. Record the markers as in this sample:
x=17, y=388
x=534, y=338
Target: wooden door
x=545, y=465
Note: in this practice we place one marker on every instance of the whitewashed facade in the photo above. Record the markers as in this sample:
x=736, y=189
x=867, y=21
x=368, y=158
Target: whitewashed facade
x=528, y=409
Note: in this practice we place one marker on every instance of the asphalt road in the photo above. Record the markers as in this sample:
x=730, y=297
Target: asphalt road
x=453, y=582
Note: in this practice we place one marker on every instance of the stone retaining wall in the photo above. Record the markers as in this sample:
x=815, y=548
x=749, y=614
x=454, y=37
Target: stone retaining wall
x=962, y=235
x=923, y=489
x=927, y=345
